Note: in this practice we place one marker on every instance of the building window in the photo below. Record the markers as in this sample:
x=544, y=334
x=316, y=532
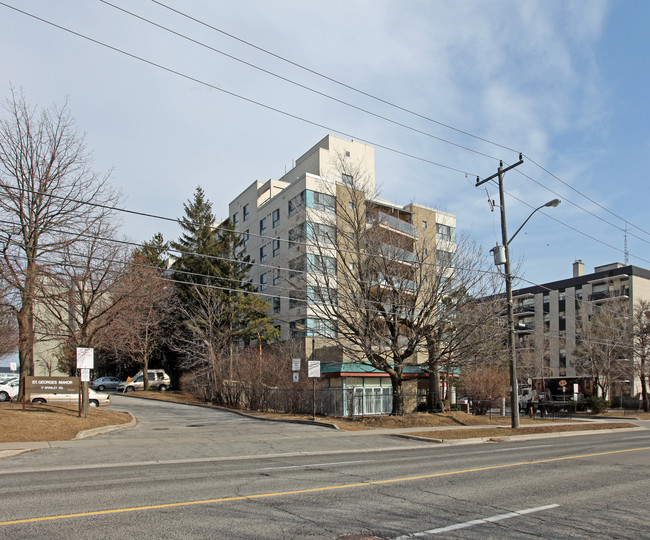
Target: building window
x=263, y=281
x=296, y=204
x=321, y=295
x=245, y=212
x=322, y=328
x=350, y=205
x=322, y=264
x=275, y=217
x=262, y=226
x=347, y=179
x=244, y=238
x=263, y=254
x=235, y=218
x=296, y=267
x=321, y=234
x=296, y=299
x=445, y=232
x=297, y=235
x=276, y=247
x=276, y=277
x=276, y=304
x=445, y=259
x=298, y=328
x=424, y=224
x=321, y=201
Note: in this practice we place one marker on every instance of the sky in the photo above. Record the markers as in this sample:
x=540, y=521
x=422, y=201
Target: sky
x=564, y=82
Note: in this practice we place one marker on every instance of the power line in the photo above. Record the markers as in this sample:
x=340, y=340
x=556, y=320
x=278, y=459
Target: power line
x=404, y=109
x=405, y=154
x=239, y=96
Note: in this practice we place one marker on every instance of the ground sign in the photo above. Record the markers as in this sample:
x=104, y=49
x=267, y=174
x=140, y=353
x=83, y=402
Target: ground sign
x=52, y=385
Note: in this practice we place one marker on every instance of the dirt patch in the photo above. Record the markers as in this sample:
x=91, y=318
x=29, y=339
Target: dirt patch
x=496, y=433
x=178, y=397
x=49, y=422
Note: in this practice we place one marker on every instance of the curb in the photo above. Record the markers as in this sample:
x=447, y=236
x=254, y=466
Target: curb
x=510, y=438
x=240, y=413
x=85, y=434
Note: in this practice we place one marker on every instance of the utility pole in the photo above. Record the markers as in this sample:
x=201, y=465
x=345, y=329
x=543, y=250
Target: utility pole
x=514, y=391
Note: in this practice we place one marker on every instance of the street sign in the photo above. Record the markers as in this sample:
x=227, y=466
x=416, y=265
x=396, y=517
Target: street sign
x=51, y=385
x=296, y=376
x=313, y=368
x=85, y=358
x=295, y=364
x=85, y=375
x=13, y=366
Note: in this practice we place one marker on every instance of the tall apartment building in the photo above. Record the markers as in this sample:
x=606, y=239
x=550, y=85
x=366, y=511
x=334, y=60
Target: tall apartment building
x=547, y=319
x=279, y=220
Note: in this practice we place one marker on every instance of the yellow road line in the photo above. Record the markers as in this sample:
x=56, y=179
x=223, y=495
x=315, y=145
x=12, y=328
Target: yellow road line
x=314, y=490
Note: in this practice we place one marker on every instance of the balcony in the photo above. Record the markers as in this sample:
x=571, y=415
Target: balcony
x=524, y=309
x=393, y=223
x=398, y=254
x=524, y=328
x=602, y=296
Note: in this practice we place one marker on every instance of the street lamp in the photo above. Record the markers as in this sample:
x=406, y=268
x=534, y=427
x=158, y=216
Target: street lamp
x=502, y=256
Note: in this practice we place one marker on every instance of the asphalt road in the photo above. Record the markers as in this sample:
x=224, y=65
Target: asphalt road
x=187, y=472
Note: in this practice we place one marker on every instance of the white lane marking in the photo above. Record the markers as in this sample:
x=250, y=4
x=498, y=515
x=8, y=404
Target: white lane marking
x=473, y=522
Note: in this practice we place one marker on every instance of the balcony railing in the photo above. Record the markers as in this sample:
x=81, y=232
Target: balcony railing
x=398, y=254
x=524, y=309
x=393, y=223
x=623, y=292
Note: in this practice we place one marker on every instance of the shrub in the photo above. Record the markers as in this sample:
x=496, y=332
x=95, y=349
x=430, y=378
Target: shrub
x=596, y=404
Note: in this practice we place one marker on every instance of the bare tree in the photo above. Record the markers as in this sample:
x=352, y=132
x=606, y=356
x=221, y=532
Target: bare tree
x=145, y=302
x=8, y=326
x=383, y=287
x=487, y=385
x=642, y=346
x=49, y=198
x=80, y=296
x=604, y=348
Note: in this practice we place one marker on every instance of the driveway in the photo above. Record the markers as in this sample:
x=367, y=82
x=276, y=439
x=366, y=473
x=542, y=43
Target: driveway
x=171, y=432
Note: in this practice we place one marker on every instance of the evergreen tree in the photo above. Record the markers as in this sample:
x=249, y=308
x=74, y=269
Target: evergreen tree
x=199, y=247
x=154, y=250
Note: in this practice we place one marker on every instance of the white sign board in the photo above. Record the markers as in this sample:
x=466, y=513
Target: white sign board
x=296, y=377
x=85, y=358
x=85, y=375
x=13, y=366
x=295, y=364
x=313, y=368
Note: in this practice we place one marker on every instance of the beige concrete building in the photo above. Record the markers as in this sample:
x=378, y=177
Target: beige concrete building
x=286, y=224
x=547, y=319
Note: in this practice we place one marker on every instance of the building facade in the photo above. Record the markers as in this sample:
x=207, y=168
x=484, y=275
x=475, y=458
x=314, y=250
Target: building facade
x=289, y=228
x=548, y=323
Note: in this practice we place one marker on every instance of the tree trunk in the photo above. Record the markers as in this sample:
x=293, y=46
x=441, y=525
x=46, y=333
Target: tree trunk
x=398, y=397
x=644, y=386
x=25, y=343
x=434, y=398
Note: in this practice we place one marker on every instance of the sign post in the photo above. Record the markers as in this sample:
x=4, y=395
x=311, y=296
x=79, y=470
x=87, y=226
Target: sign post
x=313, y=371
x=85, y=362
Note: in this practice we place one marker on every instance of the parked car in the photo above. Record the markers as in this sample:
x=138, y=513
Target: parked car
x=6, y=377
x=9, y=390
x=158, y=380
x=95, y=399
x=104, y=383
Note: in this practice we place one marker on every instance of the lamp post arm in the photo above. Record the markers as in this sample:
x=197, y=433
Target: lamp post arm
x=524, y=223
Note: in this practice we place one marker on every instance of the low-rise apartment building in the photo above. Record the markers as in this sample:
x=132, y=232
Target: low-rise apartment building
x=548, y=325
